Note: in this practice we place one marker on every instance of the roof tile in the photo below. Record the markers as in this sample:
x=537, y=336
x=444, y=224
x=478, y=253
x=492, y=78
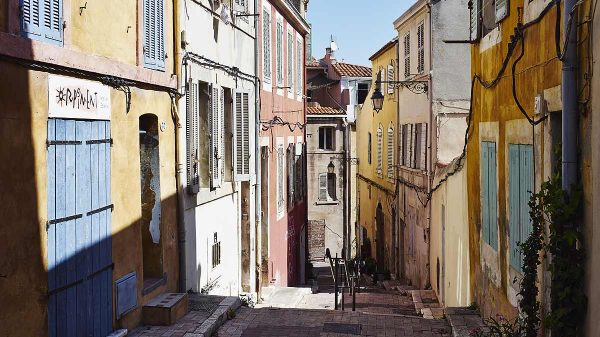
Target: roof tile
x=351, y=70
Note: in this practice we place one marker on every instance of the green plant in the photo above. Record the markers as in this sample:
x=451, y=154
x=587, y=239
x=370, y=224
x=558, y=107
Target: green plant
x=499, y=327
x=230, y=313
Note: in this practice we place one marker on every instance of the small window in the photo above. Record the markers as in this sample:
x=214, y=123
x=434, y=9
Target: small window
x=491, y=13
x=216, y=252
x=326, y=138
x=327, y=186
x=363, y=92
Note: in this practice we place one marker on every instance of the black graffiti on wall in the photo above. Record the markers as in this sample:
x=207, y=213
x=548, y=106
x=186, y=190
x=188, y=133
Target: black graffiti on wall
x=76, y=98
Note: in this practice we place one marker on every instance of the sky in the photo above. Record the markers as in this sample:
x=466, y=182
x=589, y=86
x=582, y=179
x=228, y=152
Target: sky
x=359, y=27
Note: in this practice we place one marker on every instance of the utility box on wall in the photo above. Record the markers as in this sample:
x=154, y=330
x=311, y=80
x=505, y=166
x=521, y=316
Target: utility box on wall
x=126, y=293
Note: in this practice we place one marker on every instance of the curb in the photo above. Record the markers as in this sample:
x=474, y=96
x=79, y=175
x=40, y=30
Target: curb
x=218, y=318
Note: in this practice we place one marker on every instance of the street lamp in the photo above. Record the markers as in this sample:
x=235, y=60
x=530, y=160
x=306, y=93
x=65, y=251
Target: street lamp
x=417, y=87
x=331, y=168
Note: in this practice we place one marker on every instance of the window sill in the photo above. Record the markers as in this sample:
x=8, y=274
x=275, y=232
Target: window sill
x=323, y=203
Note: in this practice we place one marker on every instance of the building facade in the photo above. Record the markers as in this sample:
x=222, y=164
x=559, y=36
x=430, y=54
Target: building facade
x=508, y=157
x=89, y=142
x=335, y=91
x=281, y=52
x=378, y=230
x=416, y=144
x=218, y=110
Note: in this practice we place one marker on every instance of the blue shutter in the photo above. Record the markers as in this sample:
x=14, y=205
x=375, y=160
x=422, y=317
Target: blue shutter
x=514, y=205
x=42, y=20
x=154, y=35
x=493, y=196
x=526, y=188
x=485, y=201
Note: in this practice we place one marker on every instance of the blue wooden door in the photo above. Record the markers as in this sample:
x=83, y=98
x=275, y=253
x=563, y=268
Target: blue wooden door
x=79, y=228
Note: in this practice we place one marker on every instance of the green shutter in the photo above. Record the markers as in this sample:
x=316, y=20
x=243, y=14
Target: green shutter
x=485, y=201
x=526, y=188
x=493, y=196
x=514, y=205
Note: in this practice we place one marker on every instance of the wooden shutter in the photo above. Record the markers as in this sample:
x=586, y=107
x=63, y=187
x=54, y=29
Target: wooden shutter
x=291, y=151
x=323, y=187
x=242, y=136
x=484, y=189
x=42, y=19
x=474, y=20
x=215, y=146
x=407, y=55
x=191, y=132
x=525, y=189
x=514, y=205
x=493, y=195
x=421, y=48
x=410, y=145
x=390, y=153
x=154, y=34
x=501, y=9
x=423, y=147
x=391, y=77
x=379, y=150
x=401, y=145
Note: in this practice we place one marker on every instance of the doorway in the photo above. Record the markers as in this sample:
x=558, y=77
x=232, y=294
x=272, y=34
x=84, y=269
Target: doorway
x=380, y=224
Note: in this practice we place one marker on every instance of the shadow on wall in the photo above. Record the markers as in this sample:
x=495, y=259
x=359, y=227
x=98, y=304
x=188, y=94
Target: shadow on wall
x=58, y=275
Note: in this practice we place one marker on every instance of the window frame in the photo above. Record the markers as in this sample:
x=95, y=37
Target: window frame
x=323, y=132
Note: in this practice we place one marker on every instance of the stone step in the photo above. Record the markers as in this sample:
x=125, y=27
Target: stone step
x=165, y=309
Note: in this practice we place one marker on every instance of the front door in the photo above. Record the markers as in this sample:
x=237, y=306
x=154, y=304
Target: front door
x=79, y=228
x=379, y=219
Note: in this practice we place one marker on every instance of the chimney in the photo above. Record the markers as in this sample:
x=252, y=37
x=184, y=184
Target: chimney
x=329, y=56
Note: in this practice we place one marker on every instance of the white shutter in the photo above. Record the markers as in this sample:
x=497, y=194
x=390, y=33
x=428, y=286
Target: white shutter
x=266, y=44
x=280, y=178
x=423, y=147
x=379, y=151
x=215, y=156
x=291, y=151
x=191, y=133
x=323, y=187
x=242, y=137
x=474, y=20
x=222, y=135
x=390, y=153
x=390, y=77
x=501, y=7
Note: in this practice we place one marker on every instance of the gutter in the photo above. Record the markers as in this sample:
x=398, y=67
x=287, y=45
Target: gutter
x=181, y=233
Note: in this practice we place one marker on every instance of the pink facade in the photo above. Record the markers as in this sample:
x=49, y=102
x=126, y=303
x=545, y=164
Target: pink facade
x=282, y=74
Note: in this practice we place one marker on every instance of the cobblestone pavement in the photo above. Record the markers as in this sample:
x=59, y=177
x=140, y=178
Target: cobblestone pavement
x=280, y=322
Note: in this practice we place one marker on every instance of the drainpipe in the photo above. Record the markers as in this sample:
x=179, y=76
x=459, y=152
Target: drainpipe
x=431, y=156
x=178, y=166
x=569, y=96
x=345, y=167
x=257, y=154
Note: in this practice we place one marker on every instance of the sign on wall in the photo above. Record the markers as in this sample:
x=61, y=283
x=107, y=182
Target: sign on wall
x=78, y=99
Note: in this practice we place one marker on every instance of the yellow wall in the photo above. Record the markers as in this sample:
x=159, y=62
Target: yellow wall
x=497, y=118
x=382, y=188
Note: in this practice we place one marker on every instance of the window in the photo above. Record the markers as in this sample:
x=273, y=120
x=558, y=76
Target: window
x=489, y=13
x=299, y=172
x=421, y=48
x=489, y=194
x=242, y=136
x=279, y=53
x=379, y=168
x=299, y=65
x=326, y=138
x=520, y=177
x=290, y=61
x=407, y=55
x=370, y=148
x=280, y=179
x=390, y=153
x=266, y=44
x=154, y=34
x=42, y=20
x=216, y=252
x=363, y=92
x=401, y=145
x=217, y=130
x=474, y=20
x=390, y=77
x=327, y=187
